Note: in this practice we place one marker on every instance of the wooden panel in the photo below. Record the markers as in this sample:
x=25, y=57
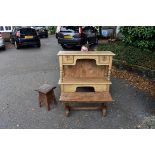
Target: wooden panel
x=85, y=68
x=86, y=97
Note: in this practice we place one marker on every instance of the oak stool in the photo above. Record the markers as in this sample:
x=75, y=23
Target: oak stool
x=46, y=95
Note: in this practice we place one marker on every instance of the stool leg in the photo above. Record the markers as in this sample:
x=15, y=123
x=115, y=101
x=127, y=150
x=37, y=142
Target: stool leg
x=55, y=101
x=39, y=100
x=47, y=103
x=54, y=98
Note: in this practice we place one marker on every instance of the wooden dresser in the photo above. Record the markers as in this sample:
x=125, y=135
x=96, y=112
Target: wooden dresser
x=84, y=69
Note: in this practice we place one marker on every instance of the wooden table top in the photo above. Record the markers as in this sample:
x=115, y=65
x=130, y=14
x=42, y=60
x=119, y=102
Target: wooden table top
x=86, y=53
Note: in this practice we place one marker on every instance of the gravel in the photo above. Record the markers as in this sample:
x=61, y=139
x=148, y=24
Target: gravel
x=24, y=70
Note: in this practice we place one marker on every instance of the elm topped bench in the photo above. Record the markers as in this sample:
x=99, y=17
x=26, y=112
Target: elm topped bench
x=85, y=97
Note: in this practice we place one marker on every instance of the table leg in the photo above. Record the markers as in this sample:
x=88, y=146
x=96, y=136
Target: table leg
x=104, y=110
x=67, y=110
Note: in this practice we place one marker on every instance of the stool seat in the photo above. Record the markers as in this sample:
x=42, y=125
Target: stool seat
x=45, y=88
x=46, y=95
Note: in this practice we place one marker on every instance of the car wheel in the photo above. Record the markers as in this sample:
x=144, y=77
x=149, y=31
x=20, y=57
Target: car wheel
x=39, y=45
x=11, y=41
x=46, y=36
x=63, y=46
x=16, y=45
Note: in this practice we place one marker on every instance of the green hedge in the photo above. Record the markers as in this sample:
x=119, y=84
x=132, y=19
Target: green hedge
x=130, y=54
x=52, y=29
x=139, y=36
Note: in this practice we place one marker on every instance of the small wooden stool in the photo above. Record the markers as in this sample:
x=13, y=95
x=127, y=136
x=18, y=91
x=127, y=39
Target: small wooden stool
x=46, y=95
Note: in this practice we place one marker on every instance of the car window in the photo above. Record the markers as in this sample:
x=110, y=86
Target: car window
x=73, y=29
x=87, y=29
x=93, y=29
x=1, y=28
x=7, y=27
x=14, y=29
x=28, y=31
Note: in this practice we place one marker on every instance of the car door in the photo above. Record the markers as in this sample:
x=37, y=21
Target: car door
x=12, y=36
x=89, y=34
x=93, y=34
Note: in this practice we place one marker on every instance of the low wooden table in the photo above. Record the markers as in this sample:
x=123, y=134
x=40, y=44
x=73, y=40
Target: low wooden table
x=85, y=97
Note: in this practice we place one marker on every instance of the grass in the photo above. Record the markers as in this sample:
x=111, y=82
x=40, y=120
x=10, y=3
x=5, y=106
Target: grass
x=129, y=54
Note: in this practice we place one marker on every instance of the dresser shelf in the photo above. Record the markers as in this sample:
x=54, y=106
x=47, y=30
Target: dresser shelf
x=84, y=81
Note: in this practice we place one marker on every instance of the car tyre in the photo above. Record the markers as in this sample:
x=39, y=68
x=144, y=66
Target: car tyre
x=63, y=46
x=39, y=45
x=11, y=41
x=16, y=45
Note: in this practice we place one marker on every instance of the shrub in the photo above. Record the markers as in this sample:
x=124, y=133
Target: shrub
x=130, y=54
x=52, y=29
x=140, y=36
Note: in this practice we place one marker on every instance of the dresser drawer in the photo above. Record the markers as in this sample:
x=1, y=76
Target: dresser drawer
x=67, y=59
x=104, y=59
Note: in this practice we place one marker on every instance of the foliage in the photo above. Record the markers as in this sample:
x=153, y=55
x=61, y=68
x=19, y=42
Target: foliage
x=52, y=29
x=130, y=54
x=140, y=36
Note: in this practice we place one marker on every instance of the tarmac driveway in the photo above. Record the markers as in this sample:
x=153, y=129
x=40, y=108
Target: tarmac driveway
x=24, y=70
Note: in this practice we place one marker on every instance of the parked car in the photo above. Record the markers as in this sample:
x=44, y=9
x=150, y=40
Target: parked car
x=6, y=28
x=24, y=36
x=41, y=31
x=77, y=36
x=2, y=43
x=5, y=32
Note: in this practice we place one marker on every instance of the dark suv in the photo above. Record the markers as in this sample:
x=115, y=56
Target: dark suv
x=24, y=36
x=77, y=35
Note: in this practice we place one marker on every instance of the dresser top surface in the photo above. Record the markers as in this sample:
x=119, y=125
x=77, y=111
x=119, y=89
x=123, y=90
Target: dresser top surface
x=86, y=53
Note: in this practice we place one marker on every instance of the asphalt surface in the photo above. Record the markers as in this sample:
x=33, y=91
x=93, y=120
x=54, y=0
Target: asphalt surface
x=22, y=71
